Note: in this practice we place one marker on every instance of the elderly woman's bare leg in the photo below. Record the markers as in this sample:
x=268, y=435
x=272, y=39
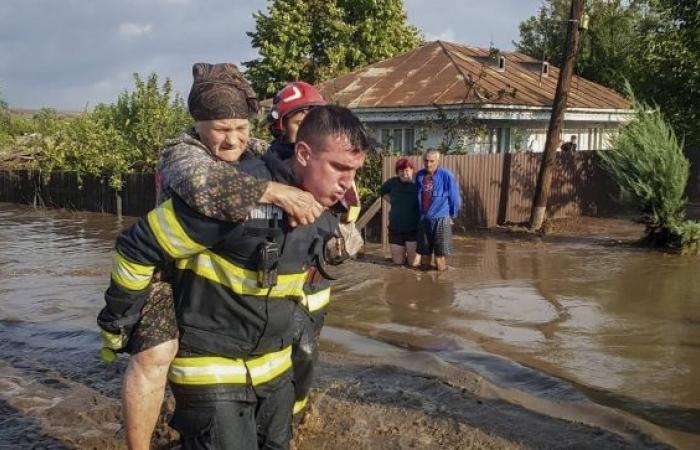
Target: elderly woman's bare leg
x=143, y=390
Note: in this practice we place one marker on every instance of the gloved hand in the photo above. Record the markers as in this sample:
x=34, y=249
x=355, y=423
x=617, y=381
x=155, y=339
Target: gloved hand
x=117, y=319
x=345, y=244
x=352, y=237
x=111, y=344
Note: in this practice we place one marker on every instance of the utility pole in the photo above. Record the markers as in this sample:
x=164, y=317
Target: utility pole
x=544, y=179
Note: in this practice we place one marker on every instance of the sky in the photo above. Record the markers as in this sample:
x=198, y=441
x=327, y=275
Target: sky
x=73, y=54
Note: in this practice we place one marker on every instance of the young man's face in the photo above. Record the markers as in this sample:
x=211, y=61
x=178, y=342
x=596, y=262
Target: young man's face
x=225, y=138
x=431, y=161
x=328, y=171
x=292, y=124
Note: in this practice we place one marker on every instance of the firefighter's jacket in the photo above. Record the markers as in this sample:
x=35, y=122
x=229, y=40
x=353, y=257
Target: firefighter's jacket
x=233, y=330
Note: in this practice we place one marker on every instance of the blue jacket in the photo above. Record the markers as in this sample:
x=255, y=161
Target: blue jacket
x=446, y=199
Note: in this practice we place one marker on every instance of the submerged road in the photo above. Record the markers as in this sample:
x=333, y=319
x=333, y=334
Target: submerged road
x=570, y=322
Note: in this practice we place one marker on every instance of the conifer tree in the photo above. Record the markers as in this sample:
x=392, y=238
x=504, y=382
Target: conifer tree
x=648, y=163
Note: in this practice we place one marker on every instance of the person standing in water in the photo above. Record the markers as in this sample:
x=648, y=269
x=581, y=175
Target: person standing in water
x=439, y=202
x=402, y=193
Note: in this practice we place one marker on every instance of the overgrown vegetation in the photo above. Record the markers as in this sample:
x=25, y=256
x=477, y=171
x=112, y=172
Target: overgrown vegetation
x=369, y=177
x=648, y=164
x=110, y=141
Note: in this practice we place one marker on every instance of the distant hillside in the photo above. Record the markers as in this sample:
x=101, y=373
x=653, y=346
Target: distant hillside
x=27, y=112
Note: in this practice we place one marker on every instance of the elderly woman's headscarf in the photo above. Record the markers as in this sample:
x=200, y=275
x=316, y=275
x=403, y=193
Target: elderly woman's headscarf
x=219, y=91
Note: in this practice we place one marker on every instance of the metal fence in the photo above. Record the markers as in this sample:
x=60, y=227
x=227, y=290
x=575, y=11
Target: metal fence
x=80, y=192
x=498, y=189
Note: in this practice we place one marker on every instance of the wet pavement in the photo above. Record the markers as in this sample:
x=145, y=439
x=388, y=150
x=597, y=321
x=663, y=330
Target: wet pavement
x=569, y=322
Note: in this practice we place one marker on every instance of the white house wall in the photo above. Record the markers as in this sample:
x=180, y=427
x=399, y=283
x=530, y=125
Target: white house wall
x=487, y=113
x=588, y=137
x=507, y=124
x=504, y=135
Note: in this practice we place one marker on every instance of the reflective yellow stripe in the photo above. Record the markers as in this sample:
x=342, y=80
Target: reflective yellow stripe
x=318, y=300
x=112, y=341
x=170, y=234
x=130, y=275
x=242, y=281
x=207, y=371
x=299, y=405
x=217, y=370
x=270, y=366
x=353, y=214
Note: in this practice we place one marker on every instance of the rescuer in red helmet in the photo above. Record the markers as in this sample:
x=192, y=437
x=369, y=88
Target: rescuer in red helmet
x=289, y=107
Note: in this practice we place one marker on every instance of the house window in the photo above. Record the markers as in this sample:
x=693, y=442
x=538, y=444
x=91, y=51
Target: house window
x=397, y=139
x=485, y=141
x=593, y=139
x=495, y=134
x=527, y=139
x=385, y=138
x=409, y=140
x=400, y=140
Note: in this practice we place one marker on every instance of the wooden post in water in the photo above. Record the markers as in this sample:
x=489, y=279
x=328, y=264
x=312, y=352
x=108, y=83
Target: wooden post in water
x=544, y=179
x=37, y=182
x=118, y=198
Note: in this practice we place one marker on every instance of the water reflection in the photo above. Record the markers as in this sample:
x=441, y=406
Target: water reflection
x=419, y=299
x=620, y=324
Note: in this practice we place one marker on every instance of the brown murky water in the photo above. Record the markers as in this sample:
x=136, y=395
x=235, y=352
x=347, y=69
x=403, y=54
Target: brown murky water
x=566, y=322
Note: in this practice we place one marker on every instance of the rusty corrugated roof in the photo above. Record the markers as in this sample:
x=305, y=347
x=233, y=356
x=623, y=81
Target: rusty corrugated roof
x=443, y=73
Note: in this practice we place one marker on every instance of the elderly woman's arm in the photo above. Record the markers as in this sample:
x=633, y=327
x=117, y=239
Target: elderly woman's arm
x=219, y=190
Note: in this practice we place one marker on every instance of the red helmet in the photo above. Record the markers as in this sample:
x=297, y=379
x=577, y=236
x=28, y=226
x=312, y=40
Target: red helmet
x=294, y=97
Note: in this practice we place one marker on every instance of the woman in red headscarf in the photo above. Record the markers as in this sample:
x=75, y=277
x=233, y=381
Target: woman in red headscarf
x=402, y=193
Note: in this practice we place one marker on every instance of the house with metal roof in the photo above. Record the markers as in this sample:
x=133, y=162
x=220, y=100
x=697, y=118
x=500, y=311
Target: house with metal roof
x=473, y=100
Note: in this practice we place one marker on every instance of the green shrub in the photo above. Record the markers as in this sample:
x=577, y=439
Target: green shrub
x=47, y=121
x=687, y=236
x=260, y=128
x=146, y=118
x=14, y=132
x=648, y=164
x=13, y=125
x=88, y=145
x=109, y=141
x=369, y=177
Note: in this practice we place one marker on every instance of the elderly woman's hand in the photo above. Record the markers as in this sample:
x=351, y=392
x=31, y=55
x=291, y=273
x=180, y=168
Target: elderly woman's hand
x=301, y=206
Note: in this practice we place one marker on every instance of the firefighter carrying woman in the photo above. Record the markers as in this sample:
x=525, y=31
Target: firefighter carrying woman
x=243, y=248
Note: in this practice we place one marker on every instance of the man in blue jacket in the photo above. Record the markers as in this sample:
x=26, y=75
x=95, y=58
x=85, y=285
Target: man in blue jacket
x=439, y=202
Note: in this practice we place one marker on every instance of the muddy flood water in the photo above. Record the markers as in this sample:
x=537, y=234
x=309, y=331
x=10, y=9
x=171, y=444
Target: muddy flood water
x=580, y=328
